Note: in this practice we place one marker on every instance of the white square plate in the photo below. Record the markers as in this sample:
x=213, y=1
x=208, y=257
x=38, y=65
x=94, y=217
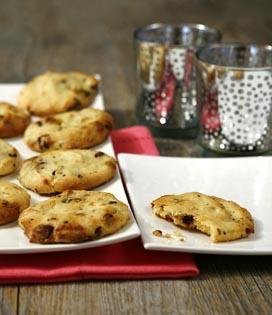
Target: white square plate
x=12, y=238
x=245, y=180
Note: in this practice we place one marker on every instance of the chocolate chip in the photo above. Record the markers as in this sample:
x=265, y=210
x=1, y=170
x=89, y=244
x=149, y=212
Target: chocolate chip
x=187, y=219
x=12, y=154
x=168, y=218
x=98, y=231
x=75, y=105
x=45, y=181
x=94, y=87
x=112, y=202
x=108, y=218
x=248, y=230
x=43, y=232
x=97, y=154
x=44, y=142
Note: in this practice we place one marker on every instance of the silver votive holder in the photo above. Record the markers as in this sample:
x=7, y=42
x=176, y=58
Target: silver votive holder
x=234, y=94
x=166, y=75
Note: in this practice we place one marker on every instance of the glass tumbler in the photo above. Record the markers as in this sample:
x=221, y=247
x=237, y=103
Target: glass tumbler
x=166, y=72
x=234, y=95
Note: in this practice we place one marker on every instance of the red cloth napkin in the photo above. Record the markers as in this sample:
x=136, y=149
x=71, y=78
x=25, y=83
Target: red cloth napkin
x=127, y=260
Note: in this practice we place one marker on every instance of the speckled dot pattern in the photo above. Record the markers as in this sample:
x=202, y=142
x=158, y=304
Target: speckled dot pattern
x=244, y=104
x=177, y=58
x=235, y=105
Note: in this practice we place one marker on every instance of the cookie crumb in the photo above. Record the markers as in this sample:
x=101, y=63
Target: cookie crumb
x=177, y=233
x=157, y=233
x=175, y=236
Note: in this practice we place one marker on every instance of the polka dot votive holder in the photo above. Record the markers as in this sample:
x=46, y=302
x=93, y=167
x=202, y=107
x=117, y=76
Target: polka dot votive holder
x=234, y=96
x=166, y=73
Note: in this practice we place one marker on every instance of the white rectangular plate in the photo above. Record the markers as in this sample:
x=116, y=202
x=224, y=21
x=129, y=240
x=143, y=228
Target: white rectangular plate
x=12, y=238
x=245, y=180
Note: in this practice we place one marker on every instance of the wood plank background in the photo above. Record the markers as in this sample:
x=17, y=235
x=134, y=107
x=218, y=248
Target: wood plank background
x=96, y=36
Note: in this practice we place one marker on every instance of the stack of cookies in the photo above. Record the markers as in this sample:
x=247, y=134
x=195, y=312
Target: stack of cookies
x=67, y=165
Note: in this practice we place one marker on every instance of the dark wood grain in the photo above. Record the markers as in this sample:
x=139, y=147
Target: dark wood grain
x=96, y=36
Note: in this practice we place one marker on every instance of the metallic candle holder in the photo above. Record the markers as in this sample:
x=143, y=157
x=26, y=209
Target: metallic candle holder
x=234, y=93
x=166, y=71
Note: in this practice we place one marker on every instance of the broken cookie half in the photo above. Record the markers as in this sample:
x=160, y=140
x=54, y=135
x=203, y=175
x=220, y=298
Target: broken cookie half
x=221, y=219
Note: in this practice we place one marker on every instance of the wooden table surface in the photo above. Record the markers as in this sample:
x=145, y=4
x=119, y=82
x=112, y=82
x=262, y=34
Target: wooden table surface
x=96, y=36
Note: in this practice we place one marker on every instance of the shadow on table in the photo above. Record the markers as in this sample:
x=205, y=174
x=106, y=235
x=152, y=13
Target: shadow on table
x=221, y=265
